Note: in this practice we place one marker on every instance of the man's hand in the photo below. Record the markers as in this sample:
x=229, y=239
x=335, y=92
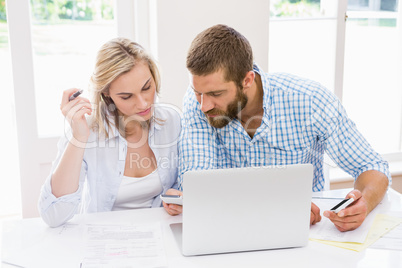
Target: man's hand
x=173, y=209
x=352, y=216
x=315, y=214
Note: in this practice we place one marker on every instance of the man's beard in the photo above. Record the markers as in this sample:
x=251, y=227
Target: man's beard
x=233, y=109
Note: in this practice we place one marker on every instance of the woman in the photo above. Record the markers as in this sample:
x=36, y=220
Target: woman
x=125, y=154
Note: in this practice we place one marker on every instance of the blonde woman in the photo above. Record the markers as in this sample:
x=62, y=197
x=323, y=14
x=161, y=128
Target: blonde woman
x=122, y=146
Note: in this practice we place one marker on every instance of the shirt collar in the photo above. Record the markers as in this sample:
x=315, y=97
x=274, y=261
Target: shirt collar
x=266, y=87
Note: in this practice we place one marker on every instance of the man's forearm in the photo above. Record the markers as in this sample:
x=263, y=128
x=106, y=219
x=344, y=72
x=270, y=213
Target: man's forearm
x=373, y=185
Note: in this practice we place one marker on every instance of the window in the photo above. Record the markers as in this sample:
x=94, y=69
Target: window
x=302, y=41
x=10, y=179
x=65, y=38
x=302, y=38
x=372, y=92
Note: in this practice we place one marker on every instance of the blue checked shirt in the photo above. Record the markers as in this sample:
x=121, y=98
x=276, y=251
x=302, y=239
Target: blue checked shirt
x=301, y=121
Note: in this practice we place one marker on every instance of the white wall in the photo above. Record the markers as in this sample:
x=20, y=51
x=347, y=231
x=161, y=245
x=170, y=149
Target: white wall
x=179, y=21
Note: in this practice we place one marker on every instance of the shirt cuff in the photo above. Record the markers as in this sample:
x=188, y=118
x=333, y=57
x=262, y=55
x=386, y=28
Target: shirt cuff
x=48, y=199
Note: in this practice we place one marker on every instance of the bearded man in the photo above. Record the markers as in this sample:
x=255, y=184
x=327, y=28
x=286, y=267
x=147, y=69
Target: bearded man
x=235, y=115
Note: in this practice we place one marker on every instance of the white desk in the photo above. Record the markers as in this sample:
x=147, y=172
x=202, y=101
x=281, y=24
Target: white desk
x=314, y=255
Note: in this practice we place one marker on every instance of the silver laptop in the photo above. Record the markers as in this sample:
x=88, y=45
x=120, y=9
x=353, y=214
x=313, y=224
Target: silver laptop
x=244, y=209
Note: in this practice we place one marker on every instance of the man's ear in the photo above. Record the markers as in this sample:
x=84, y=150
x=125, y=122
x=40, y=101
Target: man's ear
x=248, y=79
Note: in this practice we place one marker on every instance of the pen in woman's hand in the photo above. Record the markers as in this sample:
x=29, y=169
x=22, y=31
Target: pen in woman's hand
x=75, y=95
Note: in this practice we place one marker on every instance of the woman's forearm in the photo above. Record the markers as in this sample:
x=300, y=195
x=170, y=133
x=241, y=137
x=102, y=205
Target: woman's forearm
x=65, y=178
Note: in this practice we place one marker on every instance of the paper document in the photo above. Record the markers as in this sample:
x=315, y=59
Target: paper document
x=124, y=246
x=393, y=239
x=382, y=224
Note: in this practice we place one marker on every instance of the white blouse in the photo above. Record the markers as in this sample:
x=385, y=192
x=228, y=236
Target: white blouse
x=138, y=192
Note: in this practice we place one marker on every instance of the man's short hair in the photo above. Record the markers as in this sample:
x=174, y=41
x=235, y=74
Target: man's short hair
x=221, y=47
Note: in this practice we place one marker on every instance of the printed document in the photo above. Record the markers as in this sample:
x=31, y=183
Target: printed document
x=124, y=246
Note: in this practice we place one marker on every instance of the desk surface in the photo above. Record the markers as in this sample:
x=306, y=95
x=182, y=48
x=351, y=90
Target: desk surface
x=313, y=255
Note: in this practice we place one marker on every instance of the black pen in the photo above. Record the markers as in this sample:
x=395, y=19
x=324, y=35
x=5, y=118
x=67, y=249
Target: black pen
x=75, y=95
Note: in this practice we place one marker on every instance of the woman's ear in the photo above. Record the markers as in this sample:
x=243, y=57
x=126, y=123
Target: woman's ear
x=105, y=96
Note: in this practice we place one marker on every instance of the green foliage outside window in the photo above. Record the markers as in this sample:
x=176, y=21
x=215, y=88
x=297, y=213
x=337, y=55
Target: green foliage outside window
x=52, y=11
x=3, y=10
x=295, y=8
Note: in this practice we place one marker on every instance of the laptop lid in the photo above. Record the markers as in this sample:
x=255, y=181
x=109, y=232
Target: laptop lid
x=243, y=209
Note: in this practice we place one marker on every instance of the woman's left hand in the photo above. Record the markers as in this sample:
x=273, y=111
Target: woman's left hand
x=173, y=209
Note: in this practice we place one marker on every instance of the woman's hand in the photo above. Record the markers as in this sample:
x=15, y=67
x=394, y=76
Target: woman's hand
x=74, y=111
x=173, y=209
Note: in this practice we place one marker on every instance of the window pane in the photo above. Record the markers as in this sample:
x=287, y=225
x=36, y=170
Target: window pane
x=65, y=36
x=372, y=84
x=10, y=177
x=295, y=8
x=302, y=39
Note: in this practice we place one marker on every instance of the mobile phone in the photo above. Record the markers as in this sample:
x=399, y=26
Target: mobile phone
x=75, y=95
x=172, y=199
x=343, y=204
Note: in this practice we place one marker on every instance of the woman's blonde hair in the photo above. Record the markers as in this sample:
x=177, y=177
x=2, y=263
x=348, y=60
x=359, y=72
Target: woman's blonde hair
x=116, y=57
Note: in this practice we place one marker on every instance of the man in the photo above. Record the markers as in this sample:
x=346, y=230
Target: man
x=236, y=115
